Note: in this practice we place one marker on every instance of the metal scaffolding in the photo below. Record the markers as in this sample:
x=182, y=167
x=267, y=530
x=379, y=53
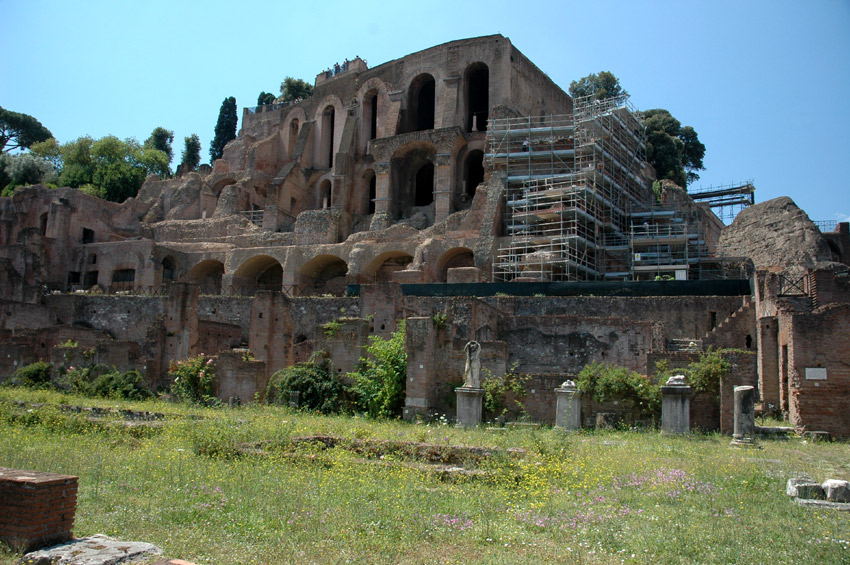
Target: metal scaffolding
x=571, y=183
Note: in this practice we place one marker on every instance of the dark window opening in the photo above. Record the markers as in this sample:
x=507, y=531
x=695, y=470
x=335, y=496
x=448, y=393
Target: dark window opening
x=474, y=172
x=92, y=259
x=88, y=236
x=479, y=99
x=749, y=341
x=425, y=106
x=328, y=119
x=712, y=320
x=168, y=269
x=123, y=275
x=424, y=185
x=373, y=129
x=73, y=278
x=293, y=137
x=325, y=194
x=43, y=220
x=373, y=193
x=91, y=279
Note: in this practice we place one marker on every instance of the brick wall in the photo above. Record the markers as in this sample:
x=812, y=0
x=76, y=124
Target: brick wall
x=36, y=508
x=815, y=403
x=237, y=377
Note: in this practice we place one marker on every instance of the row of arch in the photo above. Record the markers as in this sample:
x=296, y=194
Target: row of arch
x=420, y=113
x=323, y=274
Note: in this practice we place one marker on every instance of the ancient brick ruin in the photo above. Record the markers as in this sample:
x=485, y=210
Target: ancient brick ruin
x=459, y=181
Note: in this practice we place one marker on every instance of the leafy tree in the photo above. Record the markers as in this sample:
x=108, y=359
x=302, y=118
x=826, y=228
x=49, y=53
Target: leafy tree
x=77, y=164
x=161, y=139
x=109, y=167
x=25, y=169
x=602, y=85
x=191, y=152
x=225, y=128
x=292, y=89
x=674, y=150
x=50, y=150
x=379, y=382
x=20, y=131
x=265, y=98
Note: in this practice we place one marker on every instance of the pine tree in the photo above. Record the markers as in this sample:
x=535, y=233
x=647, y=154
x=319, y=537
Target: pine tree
x=225, y=128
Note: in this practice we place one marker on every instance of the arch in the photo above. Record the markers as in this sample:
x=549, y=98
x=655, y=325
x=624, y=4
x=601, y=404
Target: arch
x=293, y=135
x=454, y=258
x=412, y=179
x=369, y=117
x=261, y=270
x=208, y=275
x=169, y=269
x=477, y=96
x=421, y=103
x=324, y=195
x=221, y=183
x=473, y=175
x=323, y=274
x=384, y=265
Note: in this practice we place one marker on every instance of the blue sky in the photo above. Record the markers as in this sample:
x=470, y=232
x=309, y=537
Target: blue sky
x=763, y=82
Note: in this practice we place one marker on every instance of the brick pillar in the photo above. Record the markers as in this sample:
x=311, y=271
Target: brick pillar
x=382, y=187
x=270, y=337
x=36, y=509
x=425, y=350
x=767, y=344
x=181, y=321
x=446, y=110
x=442, y=187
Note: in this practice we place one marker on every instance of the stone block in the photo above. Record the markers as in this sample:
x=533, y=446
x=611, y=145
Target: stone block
x=836, y=490
x=805, y=488
x=791, y=487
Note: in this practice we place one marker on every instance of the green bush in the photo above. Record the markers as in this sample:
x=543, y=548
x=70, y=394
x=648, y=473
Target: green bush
x=705, y=373
x=503, y=395
x=612, y=382
x=317, y=386
x=34, y=375
x=192, y=380
x=379, y=382
x=98, y=381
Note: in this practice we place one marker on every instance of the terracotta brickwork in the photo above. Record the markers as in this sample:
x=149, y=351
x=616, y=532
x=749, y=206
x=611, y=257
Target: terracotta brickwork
x=36, y=508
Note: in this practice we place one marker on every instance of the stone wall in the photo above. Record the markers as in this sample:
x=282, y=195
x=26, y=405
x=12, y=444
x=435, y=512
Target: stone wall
x=743, y=372
x=237, y=377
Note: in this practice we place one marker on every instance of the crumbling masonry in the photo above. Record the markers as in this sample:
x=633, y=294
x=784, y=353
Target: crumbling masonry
x=460, y=181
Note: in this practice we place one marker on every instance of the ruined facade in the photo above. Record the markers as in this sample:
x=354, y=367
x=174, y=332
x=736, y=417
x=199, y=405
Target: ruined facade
x=396, y=192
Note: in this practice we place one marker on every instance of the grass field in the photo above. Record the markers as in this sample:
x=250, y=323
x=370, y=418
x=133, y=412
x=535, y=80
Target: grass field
x=230, y=486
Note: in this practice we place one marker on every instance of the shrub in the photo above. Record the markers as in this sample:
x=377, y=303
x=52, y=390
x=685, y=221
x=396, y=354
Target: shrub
x=192, y=380
x=503, y=395
x=115, y=384
x=314, y=380
x=612, y=382
x=98, y=381
x=705, y=373
x=34, y=375
x=379, y=382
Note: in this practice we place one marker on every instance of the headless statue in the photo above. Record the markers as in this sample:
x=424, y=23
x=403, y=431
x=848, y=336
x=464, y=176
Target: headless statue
x=472, y=370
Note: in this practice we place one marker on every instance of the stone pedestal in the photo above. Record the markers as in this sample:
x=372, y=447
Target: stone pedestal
x=568, y=407
x=745, y=418
x=675, y=409
x=469, y=403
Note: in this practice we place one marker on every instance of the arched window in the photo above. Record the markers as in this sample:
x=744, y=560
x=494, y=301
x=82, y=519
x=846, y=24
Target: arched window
x=293, y=136
x=477, y=96
x=422, y=103
x=168, y=269
x=325, y=194
x=327, y=147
